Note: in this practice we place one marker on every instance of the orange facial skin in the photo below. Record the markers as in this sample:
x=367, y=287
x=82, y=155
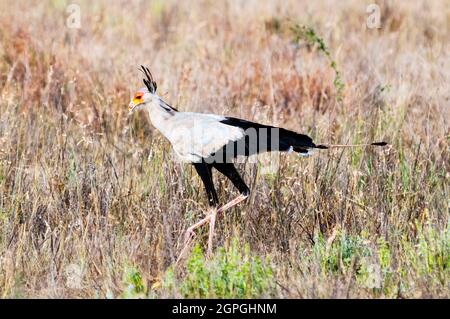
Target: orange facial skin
x=137, y=98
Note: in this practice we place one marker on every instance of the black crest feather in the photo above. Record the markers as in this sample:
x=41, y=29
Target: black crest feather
x=148, y=80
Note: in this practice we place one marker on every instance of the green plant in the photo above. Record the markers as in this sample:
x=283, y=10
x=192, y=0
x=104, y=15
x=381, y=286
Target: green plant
x=134, y=286
x=309, y=35
x=340, y=253
x=230, y=273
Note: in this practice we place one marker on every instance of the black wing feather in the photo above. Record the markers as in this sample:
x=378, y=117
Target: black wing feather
x=266, y=135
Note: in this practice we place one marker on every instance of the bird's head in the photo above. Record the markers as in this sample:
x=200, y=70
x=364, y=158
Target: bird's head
x=144, y=95
x=139, y=99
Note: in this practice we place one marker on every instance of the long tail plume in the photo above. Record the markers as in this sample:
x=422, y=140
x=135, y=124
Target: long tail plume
x=327, y=146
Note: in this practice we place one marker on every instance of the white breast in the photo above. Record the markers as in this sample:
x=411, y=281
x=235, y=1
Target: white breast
x=195, y=135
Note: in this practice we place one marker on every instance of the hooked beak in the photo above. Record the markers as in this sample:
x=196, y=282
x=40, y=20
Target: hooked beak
x=131, y=107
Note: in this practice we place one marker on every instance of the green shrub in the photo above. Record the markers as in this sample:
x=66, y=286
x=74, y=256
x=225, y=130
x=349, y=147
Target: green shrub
x=309, y=35
x=134, y=286
x=230, y=273
x=338, y=255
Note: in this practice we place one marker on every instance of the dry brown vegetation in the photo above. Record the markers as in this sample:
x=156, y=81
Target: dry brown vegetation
x=91, y=196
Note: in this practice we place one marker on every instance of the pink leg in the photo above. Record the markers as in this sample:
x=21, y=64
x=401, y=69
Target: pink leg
x=211, y=218
x=212, y=222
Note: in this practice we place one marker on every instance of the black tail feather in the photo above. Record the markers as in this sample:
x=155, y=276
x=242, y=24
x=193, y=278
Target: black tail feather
x=271, y=138
x=321, y=146
x=379, y=143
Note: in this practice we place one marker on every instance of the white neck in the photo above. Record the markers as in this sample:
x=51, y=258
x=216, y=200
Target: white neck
x=159, y=113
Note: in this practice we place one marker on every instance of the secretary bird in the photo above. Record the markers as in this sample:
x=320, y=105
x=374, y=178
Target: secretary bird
x=210, y=141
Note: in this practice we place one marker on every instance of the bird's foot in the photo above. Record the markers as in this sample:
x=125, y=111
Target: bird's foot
x=189, y=235
x=211, y=219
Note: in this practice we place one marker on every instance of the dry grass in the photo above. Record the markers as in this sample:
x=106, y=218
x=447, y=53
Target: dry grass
x=84, y=188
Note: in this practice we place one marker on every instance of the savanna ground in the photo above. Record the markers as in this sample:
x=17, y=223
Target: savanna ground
x=92, y=204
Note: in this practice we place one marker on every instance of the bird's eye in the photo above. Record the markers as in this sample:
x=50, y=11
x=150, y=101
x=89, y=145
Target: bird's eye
x=138, y=96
